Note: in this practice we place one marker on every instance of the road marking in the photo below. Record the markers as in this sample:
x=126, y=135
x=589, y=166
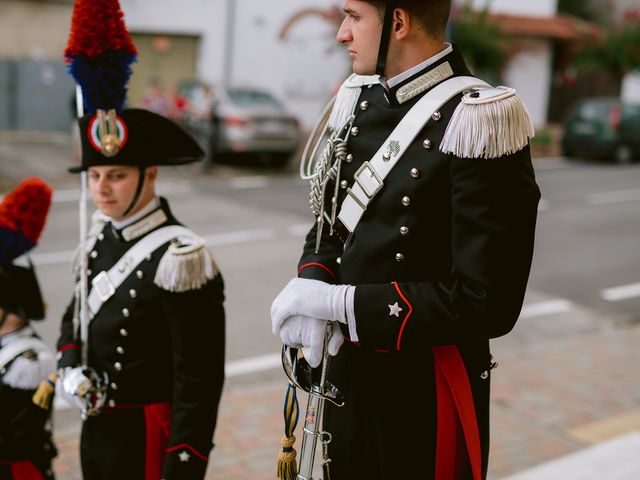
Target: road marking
x=247, y=366
x=549, y=307
x=237, y=368
x=623, y=292
x=543, y=205
x=299, y=230
x=620, y=196
x=213, y=240
x=242, y=183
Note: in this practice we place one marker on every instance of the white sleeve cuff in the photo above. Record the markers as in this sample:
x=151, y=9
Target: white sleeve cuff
x=350, y=308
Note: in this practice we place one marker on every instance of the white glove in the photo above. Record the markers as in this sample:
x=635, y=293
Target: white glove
x=68, y=385
x=308, y=333
x=310, y=298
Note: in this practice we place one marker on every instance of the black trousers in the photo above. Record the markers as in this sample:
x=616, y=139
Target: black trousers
x=113, y=445
x=387, y=429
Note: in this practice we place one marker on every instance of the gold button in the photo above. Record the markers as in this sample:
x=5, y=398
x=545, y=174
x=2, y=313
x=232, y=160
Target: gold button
x=349, y=158
x=140, y=274
x=355, y=131
x=399, y=257
x=436, y=116
x=112, y=403
x=114, y=386
x=126, y=313
x=93, y=254
x=120, y=350
x=427, y=144
x=101, y=236
x=117, y=366
x=123, y=332
x=484, y=375
x=133, y=293
x=415, y=173
x=344, y=184
x=406, y=201
x=364, y=105
x=404, y=231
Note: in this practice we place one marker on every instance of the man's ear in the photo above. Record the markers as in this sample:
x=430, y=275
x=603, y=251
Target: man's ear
x=401, y=23
x=152, y=173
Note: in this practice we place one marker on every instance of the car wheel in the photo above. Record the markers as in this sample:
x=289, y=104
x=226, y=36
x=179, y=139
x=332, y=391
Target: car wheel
x=623, y=154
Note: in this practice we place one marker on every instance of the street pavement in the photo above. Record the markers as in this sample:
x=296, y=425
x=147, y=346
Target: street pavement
x=567, y=379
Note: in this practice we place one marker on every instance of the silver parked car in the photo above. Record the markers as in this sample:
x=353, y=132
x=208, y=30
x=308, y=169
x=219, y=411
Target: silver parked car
x=241, y=121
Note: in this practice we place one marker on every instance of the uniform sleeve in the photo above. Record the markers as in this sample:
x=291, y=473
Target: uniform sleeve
x=323, y=265
x=68, y=346
x=197, y=325
x=494, y=208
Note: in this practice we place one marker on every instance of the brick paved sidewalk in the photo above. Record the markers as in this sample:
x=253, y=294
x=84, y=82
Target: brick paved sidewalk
x=549, y=398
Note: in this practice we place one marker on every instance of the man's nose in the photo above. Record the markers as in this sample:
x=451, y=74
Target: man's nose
x=344, y=34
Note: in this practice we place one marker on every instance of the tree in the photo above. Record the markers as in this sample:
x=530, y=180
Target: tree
x=617, y=51
x=484, y=46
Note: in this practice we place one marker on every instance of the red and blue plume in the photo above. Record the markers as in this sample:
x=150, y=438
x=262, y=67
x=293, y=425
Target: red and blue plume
x=23, y=213
x=100, y=53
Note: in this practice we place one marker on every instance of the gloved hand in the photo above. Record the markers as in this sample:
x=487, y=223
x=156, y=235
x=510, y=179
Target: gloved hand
x=71, y=385
x=308, y=333
x=300, y=312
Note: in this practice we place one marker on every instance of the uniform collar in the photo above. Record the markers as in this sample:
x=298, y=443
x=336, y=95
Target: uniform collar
x=153, y=215
x=424, y=76
x=22, y=332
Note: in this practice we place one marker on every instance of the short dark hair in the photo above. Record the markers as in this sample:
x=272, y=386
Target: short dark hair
x=433, y=15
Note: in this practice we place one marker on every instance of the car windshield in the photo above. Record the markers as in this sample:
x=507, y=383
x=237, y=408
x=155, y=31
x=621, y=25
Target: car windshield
x=252, y=98
x=595, y=110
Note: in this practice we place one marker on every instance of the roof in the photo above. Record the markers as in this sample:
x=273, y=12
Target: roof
x=561, y=27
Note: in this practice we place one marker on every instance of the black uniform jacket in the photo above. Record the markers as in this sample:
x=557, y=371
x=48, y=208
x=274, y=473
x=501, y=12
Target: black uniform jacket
x=157, y=346
x=25, y=429
x=449, y=240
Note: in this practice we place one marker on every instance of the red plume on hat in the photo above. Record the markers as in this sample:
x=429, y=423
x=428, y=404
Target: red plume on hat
x=100, y=53
x=23, y=213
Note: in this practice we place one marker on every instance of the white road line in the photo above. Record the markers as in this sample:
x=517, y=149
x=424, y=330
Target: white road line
x=620, y=196
x=237, y=368
x=548, y=307
x=299, y=230
x=623, y=292
x=214, y=240
x=246, y=366
x=164, y=188
x=241, y=183
x=543, y=205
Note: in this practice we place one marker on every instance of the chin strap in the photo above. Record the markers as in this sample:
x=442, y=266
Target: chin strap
x=385, y=38
x=136, y=197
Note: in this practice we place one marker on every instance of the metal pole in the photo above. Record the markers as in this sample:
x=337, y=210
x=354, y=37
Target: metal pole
x=229, y=42
x=84, y=283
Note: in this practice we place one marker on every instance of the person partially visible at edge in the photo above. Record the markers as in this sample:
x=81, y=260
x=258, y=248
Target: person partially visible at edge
x=26, y=444
x=156, y=337
x=437, y=262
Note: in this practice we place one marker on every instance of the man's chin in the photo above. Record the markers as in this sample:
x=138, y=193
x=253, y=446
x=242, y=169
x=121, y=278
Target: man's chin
x=362, y=69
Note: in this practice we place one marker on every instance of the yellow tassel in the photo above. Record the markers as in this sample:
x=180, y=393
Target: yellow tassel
x=44, y=394
x=287, y=467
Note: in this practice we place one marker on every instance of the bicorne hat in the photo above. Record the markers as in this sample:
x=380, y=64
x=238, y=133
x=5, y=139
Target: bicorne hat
x=23, y=213
x=99, y=54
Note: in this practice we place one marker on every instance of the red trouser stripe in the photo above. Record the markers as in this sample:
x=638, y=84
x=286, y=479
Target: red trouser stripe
x=158, y=421
x=25, y=471
x=455, y=407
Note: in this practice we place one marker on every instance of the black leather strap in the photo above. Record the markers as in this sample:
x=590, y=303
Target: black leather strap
x=385, y=38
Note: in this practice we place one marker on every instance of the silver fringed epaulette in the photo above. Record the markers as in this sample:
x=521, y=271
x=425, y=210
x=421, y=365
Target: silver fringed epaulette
x=186, y=265
x=488, y=123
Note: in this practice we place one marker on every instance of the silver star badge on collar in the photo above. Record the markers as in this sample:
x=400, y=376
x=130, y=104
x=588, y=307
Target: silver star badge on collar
x=184, y=456
x=394, y=310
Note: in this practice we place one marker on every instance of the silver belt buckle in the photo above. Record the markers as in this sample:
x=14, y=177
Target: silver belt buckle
x=373, y=175
x=103, y=286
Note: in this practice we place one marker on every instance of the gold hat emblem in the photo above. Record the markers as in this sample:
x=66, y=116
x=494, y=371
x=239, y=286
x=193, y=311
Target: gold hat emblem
x=108, y=132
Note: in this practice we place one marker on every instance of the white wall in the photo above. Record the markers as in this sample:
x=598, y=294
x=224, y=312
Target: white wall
x=300, y=71
x=203, y=18
x=529, y=72
x=542, y=8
